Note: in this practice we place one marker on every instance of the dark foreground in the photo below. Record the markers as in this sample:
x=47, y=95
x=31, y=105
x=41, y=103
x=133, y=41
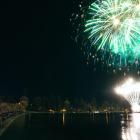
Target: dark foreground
x=74, y=127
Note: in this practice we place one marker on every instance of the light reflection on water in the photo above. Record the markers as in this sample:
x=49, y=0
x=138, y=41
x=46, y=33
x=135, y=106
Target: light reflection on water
x=131, y=127
x=63, y=118
x=74, y=126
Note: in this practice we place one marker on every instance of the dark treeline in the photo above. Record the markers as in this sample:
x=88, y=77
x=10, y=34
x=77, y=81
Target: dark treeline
x=57, y=103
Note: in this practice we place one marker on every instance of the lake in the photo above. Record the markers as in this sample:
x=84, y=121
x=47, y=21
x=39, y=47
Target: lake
x=82, y=126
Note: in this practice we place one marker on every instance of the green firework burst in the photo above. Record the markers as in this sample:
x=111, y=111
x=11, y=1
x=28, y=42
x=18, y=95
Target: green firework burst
x=114, y=26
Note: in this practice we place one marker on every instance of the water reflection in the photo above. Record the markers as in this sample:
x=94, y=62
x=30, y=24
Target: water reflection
x=63, y=118
x=131, y=127
x=106, y=116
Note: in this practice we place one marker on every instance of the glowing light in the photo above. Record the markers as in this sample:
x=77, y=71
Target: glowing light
x=135, y=107
x=118, y=90
x=51, y=111
x=63, y=115
x=130, y=90
x=116, y=22
x=138, y=6
x=63, y=110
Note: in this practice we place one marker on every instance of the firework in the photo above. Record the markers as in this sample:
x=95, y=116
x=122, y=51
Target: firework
x=130, y=90
x=113, y=26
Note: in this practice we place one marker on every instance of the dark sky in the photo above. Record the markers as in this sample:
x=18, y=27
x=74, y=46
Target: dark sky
x=38, y=56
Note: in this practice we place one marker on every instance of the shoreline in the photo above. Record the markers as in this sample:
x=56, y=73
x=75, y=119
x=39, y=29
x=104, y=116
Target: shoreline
x=8, y=122
x=43, y=112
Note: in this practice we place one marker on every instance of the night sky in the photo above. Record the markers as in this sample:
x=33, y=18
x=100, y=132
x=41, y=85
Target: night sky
x=38, y=56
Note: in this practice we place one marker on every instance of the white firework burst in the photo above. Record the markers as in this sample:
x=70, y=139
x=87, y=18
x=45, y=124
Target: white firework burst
x=130, y=90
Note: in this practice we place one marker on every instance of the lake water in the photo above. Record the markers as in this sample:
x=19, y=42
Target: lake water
x=75, y=127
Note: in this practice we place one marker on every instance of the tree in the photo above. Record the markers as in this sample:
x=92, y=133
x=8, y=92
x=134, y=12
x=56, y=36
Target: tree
x=67, y=104
x=4, y=107
x=93, y=105
x=37, y=103
x=24, y=102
